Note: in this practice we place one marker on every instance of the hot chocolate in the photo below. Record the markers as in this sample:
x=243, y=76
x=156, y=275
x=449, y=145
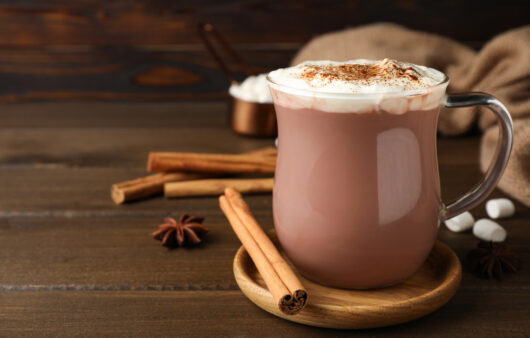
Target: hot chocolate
x=357, y=195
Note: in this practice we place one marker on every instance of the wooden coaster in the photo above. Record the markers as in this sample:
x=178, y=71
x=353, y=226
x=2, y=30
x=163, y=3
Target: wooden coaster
x=431, y=287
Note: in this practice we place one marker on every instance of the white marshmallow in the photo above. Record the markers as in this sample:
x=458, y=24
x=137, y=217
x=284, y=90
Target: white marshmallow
x=253, y=89
x=396, y=106
x=500, y=208
x=461, y=222
x=488, y=230
x=433, y=100
x=416, y=102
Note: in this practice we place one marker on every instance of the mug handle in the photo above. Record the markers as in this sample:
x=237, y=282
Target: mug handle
x=488, y=182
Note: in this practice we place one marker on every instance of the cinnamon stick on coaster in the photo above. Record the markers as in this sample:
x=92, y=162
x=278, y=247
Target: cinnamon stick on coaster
x=212, y=163
x=285, y=287
x=154, y=184
x=214, y=187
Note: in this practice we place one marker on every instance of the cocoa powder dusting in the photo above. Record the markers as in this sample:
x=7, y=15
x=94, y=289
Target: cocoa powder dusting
x=383, y=72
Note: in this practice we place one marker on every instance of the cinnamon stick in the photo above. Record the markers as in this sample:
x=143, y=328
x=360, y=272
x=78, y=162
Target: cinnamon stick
x=211, y=163
x=286, y=289
x=217, y=186
x=147, y=186
x=266, y=151
x=154, y=184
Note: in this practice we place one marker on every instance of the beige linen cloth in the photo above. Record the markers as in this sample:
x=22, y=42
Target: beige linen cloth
x=501, y=68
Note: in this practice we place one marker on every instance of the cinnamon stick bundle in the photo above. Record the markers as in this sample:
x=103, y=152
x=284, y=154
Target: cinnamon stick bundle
x=154, y=184
x=285, y=287
x=211, y=163
x=214, y=187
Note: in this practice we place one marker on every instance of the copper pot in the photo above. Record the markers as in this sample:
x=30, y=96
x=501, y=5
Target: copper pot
x=252, y=118
x=246, y=118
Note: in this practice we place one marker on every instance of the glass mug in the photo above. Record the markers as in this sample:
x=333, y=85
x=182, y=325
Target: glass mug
x=357, y=201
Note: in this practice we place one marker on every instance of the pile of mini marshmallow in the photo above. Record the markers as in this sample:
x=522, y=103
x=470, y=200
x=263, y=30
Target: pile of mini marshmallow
x=485, y=229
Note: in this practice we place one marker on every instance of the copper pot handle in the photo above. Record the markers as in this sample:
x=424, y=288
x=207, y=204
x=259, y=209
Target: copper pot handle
x=208, y=32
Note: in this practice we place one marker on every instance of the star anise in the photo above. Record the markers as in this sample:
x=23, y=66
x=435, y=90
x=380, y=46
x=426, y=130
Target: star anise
x=187, y=231
x=491, y=259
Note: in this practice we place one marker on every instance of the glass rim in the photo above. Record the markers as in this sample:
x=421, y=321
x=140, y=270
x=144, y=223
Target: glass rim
x=314, y=92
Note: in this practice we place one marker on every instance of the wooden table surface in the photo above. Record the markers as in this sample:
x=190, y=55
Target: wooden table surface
x=73, y=263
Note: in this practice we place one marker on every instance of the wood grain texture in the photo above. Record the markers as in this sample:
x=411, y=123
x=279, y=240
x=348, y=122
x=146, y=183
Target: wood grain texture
x=72, y=249
x=73, y=263
x=229, y=313
x=433, y=285
x=111, y=253
x=125, y=72
x=151, y=51
x=103, y=147
x=67, y=170
x=105, y=115
x=123, y=22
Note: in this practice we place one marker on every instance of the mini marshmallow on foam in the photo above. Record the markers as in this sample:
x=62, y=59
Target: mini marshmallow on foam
x=253, y=89
x=388, y=90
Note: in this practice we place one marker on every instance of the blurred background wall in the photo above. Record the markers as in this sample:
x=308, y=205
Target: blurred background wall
x=150, y=50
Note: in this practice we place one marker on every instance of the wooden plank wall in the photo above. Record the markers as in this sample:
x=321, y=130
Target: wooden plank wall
x=150, y=50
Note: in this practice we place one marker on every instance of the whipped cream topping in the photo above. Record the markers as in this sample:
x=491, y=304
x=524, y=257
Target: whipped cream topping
x=315, y=84
x=253, y=89
x=357, y=76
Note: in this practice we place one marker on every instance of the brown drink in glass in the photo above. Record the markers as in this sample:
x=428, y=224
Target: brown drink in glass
x=357, y=200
